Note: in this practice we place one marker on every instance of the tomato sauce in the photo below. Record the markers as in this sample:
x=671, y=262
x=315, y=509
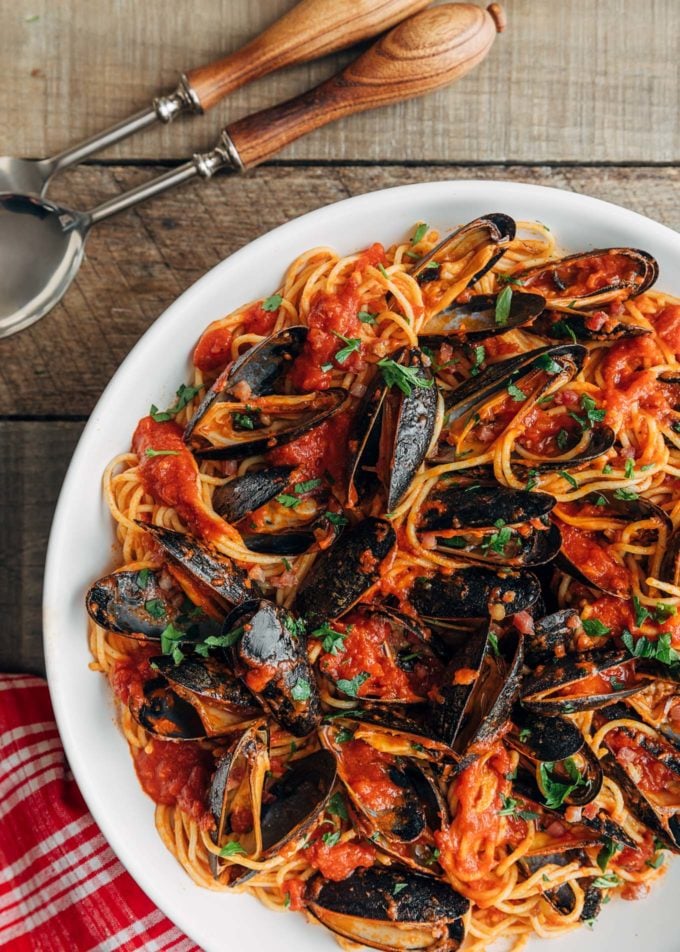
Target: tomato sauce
x=367, y=773
x=294, y=891
x=630, y=383
x=579, y=278
x=329, y=315
x=213, y=350
x=319, y=451
x=651, y=775
x=339, y=861
x=258, y=321
x=173, y=480
x=499, y=346
x=635, y=860
x=593, y=559
x=468, y=847
x=541, y=430
x=176, y=774
x=667, y=326
x=616, y=613
x=130, y=674
x=604, y=682
x=364, y=650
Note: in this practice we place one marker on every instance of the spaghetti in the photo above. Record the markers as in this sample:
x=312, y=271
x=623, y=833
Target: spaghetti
x=542, y=429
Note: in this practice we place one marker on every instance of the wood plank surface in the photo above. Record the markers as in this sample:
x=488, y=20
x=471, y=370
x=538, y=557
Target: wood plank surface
x=138, y=263
x=577, y=81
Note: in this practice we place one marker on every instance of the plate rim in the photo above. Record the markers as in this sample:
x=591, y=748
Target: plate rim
x=616, y=216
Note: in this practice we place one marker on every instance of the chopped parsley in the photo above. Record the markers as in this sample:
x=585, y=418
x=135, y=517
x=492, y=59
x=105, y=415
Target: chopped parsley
x=663, y=611
x=629, y=469
x=454, y=542
x=563, y=439
x=381, y=269
x=330, y=839
x=607, y=470
x=335, y=518
x=511, y=808
x=564, y=328
x=307, y=486
x=556, y=790
x=609, y=848
x=497, y=541
x=143, y=577
x=656, y=862
x=244, y=420
x=641, y=613
x=337, y=806
x=493, y=643
x=232, y=848
x=569, y=478
x=295, y=626
x=184, y=396
x=525, y=734
x=155, y=607
x=532, y=482
x=592, y=413
x=406, y=378
x=545, y=362
x=508, y=279
x=351, y=686
x=290, y=502
x=301, y=690
x=351, y=345
x=272, y=303
x=419, y=233
x=659, y=650
x=519, y=396
x=594, y=627
x=333, y=641
x=152, y=452
x=367, y=317
x=479, y=356
x=398, y=888
x=607, y=881
x=170, y=638
x=625, y=494
x=343, y=735
x=326, y=367
x=503, y=302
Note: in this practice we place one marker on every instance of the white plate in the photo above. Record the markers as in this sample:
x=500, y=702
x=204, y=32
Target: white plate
x=82, y=536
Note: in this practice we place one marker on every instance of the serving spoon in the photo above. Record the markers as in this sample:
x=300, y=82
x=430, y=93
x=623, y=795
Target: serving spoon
x=311, y=29
x=42, y=243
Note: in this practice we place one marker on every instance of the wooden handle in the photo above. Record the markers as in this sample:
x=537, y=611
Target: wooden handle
x=311, y=29
x=429, y=50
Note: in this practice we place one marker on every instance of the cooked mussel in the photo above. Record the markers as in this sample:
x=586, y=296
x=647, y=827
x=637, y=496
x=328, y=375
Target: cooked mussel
x=554, y=636
x=590, y=523
x=487, y=522
x=198, y=679
x=255, y=373
x=392, y=431
x=581, y=682
x=140, y=605
x=473, y=593
x=646, y=765
x=476, y=319
x=345, y=571
x=234, y=429
x=269, y=653
x=391, y=731
x=199, y=568
x=390, y=908
x=243, y=494
x=590, y=444
x=480, y=687
x=462, y=258
x=161, y=711
x=588, y=325
x=563, y=898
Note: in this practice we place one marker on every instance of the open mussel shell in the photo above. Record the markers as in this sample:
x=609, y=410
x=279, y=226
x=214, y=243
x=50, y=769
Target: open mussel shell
x=243, y=494
x=476, y=319
x=571, y=282
x=120, y=602
x=254, y=374
x=270, y=657
x=161, y=711
x=345, y=571
x=390, y=908
x=472, y=592
x=582, y=682
x=392, y=432
x=199, y=567
x=646, y=765
x=614, y=510
x=474, y=703
x=489, y=523
x=562, y=898
x=553, y=637
x=482, y=241
x=285, y=542
x=595, y=442
x=669, y=570
x=234, y=429
x=393, y=732
x=405, y=803
x=206, y=678
x=544, y=739
x=562, y=325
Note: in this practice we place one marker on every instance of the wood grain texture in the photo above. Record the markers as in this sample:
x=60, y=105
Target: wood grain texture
x=32, y=466
x=425, y=52
x=578, y=81
x=137, y=264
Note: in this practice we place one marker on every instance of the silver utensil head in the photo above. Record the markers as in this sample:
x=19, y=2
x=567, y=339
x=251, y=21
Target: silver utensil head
x=24, y=176
x=41, y=247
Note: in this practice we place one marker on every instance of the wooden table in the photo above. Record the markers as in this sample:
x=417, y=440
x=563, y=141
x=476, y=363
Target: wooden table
x=580, y=95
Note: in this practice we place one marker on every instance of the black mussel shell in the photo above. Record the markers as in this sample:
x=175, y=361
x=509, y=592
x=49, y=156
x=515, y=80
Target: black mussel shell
x=345, y=571
x=287, y=418
x=164, y=713
x=375, y=905
x=255, y=373
x=270, y=656
x=393, y=731
x=204, y=564
x=599, y=439
x=452, y=505
x=470, y=592
x=669, y=570
x=544, y=739
x=553, y=637
x=476, y=319
x=285, y=542
x=207, y=678
x=562, y=897
x=299, y=798
x=494, y=230
x=544, y=691
x=244, y=494
x=559, y=325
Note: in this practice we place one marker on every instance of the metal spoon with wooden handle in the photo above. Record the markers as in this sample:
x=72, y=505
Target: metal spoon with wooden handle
x=41, y=243
x=311, y=29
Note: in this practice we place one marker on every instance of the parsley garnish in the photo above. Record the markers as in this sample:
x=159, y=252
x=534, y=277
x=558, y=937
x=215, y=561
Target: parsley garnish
x=454, y=542
x=272, y=303
x=326, y=367
x=351, y=344
x=532, y=482
x=519, y=396
x=663, y=612
x=525, y=734
x=184, y=396
x=381, y=269
x=565, y=328
x=367, y=317
x=607, y=851
x=569, y=478
x=594, y=627
x=479, y=354
x=656, y=862
x=510, y=808
x=301, y=690
x=641, y=613
x=419, y=233
x=545, y=362
x=398, y=888
x=333, y=641
x=232, y=848
x=170, y=639
x=337, y=807
x=592, y=413
x=503, y=302
x=562, y=439
x=629, y=469
x=343, y=735
x=244, y=420
x=625, y=494
x=151, y=452
x=498, y=540
x=607, y=469
x=406, y=378
x=155, y=608
x=307, y=487
x=143, y=577
x=555, y=790
x=493, y=643
x=330, y=839
x=608, y=881
x=335, y=518
x=290, y=502
x=351, y=687
x=659, y=650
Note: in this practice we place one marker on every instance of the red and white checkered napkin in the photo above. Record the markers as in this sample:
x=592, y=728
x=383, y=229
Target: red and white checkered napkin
x=61, y=887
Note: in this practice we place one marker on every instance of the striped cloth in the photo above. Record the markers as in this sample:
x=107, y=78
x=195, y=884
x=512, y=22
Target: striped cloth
x=61, y=887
